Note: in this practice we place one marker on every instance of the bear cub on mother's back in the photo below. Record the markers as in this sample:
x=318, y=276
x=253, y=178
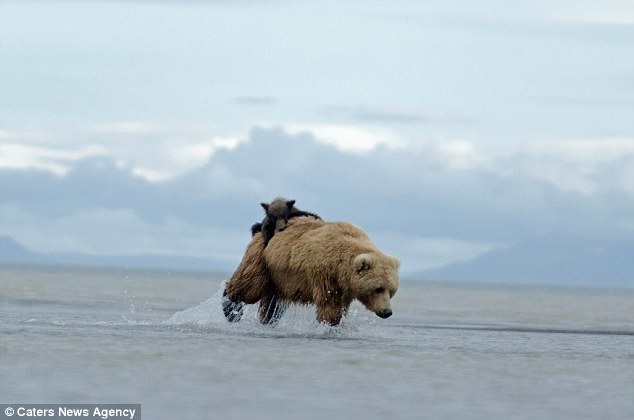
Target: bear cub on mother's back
x=312, y=261
x=278, y=212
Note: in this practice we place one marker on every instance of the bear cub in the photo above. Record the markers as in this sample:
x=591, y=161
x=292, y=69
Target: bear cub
x=276, y=217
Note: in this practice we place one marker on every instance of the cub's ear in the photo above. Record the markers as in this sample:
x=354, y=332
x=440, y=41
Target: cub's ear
x=362, y=262
x=265, y=206
x=290, y=203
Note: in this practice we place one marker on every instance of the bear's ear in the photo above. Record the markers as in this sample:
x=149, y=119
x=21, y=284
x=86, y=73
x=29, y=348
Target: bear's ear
x=290, y=203
x=397, y=262
x=362, y=262
x=265, y=206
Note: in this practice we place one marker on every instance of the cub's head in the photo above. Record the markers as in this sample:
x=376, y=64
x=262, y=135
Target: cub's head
x=375, y=281
x=278, y=211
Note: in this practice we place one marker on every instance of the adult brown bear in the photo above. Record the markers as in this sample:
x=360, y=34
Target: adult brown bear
x=326, y=263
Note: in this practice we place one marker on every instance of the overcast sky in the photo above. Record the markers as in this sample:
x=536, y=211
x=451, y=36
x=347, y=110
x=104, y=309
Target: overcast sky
x=448, y=130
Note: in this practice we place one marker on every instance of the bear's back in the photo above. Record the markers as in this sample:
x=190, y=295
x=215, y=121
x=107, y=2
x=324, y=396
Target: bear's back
x=308, y=244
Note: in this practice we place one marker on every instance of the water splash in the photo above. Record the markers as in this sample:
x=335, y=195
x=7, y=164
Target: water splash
x=207, y=312
x=297, y=321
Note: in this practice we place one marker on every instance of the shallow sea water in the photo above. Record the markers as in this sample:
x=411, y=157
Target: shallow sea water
x=450, y=351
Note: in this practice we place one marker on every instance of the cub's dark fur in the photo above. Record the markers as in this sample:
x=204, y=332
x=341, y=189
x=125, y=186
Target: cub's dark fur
x=277, y=214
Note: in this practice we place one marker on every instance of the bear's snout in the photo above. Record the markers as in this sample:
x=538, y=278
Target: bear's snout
x=385, y=313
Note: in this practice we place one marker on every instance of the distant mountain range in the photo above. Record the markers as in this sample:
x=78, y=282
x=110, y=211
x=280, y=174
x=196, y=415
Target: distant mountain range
x=11, y=252
x=562, y=261
x=548, y=261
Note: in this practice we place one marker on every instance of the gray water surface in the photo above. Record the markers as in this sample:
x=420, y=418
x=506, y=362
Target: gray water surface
x=450, y=351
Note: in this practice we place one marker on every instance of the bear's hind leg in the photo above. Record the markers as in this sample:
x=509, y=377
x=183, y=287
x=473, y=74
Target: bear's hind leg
x=232, y=309
x=248, y=283
x=271, y=309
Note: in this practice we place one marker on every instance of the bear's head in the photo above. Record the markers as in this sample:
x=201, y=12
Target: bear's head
x=375, y=281
x=278, y=212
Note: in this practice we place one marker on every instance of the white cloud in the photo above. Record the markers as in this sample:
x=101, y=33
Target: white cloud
x=564, y=177
x=581, y=165
x=459, y=154
x=151, y=175
x=613, y=12
x=25, y=157
x=431, y=204
x=589, y=151
x=351, y=138
x=154, y=152
x=171, y=158
x=158, y=152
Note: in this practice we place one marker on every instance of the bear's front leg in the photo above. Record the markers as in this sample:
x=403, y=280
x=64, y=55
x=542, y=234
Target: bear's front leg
x=330, y=314
x=331, y=303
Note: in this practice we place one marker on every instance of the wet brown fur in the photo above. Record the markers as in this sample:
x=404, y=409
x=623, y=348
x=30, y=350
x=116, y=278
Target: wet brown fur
x=326, y=263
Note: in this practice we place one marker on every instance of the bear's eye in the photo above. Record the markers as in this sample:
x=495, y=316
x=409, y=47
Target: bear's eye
x=379, y=290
